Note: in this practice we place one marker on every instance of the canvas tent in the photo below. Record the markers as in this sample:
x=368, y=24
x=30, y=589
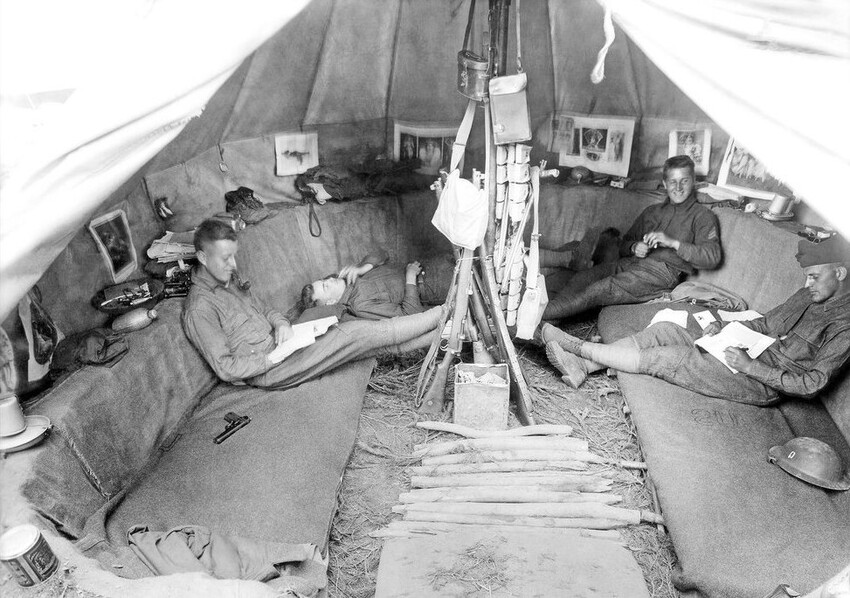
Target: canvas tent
x=150, y=99
x=773, y=74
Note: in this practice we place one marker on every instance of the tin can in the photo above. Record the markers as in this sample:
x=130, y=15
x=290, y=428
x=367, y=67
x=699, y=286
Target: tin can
x=472, y=75
x=26, y=553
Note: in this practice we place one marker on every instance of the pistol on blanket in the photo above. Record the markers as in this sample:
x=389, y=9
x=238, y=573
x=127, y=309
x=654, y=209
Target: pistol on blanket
x=234, y=423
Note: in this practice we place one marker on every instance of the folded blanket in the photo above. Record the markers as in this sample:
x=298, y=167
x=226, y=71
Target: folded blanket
x=294, y=568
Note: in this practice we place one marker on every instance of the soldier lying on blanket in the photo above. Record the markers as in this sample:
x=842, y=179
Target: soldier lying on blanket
x=236, y=334
x=812, y=332
x=373, y=289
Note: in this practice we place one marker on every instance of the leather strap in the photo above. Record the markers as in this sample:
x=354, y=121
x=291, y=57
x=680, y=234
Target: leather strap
x=459, y=146
x=533, y=250
x=469, y=24
x=518, y=41
x=313, y=221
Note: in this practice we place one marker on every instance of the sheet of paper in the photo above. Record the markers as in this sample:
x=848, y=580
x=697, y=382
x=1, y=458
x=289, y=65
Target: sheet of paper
x=704, y=318
x=677, y=316
x=319, y=326
x=738, y=316
x=304, y=335
x=735, y=334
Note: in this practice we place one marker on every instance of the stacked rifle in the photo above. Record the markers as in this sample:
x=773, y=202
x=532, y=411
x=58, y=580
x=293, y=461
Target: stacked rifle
x=534, y=476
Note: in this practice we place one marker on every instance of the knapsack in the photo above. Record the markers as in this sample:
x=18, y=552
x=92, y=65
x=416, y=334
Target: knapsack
x=98, y=346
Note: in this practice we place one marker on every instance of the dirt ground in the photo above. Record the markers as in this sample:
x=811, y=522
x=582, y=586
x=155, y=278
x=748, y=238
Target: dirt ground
x=377, y=473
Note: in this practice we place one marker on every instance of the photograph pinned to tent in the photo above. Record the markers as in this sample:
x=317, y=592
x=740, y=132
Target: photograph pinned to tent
x=694, y=143
x=431, y=144
x=295, y=153
x=42, y=336
x=111, y=232
x=742, y=172
x=601, y=143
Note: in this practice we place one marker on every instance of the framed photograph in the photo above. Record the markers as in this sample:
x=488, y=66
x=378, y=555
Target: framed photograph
x=695, y=143
x=432, y=145
x=562, y=134
x=111, y=232
x=601, y=143
x=295, y=153
x=743, y=173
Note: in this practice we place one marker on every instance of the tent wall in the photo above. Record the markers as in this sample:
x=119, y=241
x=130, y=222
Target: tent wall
x=138, y=92
x=349, y=69
x=774, y=72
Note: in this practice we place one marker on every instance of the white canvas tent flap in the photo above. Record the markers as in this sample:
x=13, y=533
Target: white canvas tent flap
x=130, y=102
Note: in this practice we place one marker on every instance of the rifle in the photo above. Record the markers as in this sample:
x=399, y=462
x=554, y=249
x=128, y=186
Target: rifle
x=435, y=395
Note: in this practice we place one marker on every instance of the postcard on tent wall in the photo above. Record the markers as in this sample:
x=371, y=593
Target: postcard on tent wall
x=431, y=144
x=695, y=143
x=744, y=173
x=295, y=153
x=600, y=143
x=111, y=232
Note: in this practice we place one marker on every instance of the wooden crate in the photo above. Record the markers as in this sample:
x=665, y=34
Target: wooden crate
x=481, y=405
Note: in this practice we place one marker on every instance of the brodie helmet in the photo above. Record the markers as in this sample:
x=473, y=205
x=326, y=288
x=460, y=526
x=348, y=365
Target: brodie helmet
x=813, y=461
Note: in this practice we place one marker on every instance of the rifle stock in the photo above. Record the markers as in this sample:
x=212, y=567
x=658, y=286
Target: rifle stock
x=435, y=396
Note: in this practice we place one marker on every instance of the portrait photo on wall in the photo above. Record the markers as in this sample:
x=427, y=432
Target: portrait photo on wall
x=695, y=143
x=111, y=232
x=744, y=173
x=601, y=143
x=295, y=153
x=431, y=145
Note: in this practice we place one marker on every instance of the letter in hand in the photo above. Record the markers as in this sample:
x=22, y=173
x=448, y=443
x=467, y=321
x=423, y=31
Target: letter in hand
x=738, y=358
x=659, y=239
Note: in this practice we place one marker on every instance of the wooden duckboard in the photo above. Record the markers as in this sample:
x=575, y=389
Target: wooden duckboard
x=544, y=563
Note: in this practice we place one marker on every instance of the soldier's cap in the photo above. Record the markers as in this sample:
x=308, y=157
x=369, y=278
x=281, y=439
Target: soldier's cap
x=829, y=251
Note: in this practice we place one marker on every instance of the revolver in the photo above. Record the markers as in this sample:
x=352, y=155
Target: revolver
x=234, y=423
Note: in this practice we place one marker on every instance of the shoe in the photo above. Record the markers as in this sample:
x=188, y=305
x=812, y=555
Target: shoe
x=549, y=333
x=571, y=367
x=582, y=258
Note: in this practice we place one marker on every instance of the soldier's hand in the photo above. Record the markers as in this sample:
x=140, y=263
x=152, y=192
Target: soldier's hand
x=283, y=332
x=640, y=249
x=659, y=239
x=411, y=272
x=712, y=328
x=352, y=272
x=738, y=359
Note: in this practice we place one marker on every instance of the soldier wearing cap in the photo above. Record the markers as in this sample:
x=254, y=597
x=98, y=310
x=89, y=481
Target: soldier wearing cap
x=811, y=328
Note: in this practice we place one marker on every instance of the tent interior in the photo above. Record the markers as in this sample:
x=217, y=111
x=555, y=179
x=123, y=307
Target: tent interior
x=110, y=108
